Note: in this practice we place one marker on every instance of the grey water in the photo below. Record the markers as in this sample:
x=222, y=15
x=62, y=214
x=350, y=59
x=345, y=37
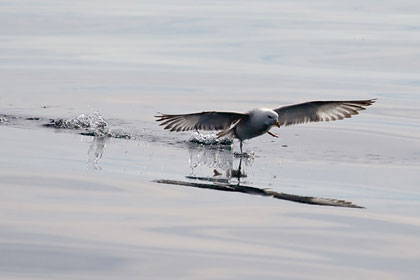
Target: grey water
x=81, y=154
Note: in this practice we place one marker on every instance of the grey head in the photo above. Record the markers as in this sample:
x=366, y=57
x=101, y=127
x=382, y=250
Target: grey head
x=259, y=121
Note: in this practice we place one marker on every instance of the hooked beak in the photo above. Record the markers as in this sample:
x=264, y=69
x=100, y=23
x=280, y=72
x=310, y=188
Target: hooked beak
x=276, y=123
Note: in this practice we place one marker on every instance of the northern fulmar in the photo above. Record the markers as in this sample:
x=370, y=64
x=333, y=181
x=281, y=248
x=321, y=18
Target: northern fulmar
x=259, y=121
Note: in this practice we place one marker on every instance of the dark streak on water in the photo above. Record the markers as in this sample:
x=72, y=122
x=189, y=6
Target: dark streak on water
x=263, y=192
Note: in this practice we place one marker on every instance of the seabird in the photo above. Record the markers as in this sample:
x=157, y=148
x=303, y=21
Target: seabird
x=259, y=121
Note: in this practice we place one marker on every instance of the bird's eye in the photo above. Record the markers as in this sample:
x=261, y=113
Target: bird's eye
x=270, y=117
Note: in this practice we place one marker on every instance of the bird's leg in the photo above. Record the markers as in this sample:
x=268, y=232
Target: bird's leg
x=272, y=134
x=237, y=173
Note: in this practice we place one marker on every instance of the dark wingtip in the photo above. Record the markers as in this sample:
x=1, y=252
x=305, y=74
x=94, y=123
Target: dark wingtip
x=160, y=117
x=361, y=103
x=371, y=101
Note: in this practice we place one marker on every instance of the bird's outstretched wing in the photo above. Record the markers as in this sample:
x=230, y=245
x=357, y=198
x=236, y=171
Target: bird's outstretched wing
x=200, y=121
x=316, y=111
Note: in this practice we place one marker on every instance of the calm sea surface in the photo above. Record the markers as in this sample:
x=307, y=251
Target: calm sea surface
x=78, y=198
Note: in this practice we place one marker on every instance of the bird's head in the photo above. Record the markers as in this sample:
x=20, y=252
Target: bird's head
x=267, y=116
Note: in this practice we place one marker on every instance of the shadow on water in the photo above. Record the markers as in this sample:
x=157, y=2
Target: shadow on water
x=263, y=192
x=220, y=161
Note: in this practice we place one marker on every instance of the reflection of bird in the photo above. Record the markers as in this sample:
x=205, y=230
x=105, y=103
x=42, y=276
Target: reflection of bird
x=259, y=121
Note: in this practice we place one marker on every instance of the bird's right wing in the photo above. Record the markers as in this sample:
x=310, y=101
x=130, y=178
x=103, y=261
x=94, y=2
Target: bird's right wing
x=316, y=111
x=200, y=121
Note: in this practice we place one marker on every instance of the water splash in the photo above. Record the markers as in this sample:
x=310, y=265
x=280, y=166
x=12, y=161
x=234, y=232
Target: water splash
x=96, y=150
x=209, y=139
x=92, y=125
x=6, y=118
x=220, y=159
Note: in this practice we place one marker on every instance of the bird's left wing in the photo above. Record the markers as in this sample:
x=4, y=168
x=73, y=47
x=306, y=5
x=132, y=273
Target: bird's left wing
x=200, y=121
x=316, y=111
